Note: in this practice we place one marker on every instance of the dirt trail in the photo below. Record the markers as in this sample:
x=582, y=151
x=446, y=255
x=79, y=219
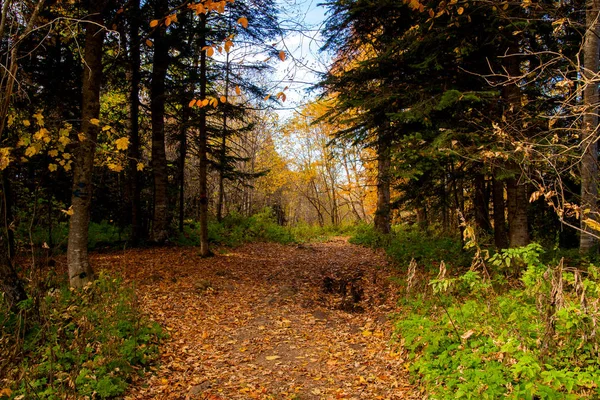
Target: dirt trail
x=267, y=321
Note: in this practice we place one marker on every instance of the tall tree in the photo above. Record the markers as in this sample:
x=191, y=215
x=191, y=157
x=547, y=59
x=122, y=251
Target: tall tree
x=160, y=65
x=80, y=269
x=589, y=142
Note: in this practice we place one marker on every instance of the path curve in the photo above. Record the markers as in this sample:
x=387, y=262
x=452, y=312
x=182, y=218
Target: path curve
x=268, y=321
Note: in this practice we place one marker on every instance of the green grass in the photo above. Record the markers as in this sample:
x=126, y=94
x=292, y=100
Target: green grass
x=67, y=343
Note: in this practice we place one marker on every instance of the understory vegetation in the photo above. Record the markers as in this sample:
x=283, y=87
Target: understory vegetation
x=510, y=325
x=66, y=343
x=233, y=230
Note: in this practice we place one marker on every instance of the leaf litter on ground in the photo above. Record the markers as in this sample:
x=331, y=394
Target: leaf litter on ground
x=255, y=322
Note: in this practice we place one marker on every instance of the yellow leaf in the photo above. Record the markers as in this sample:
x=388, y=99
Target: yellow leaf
x=282, y=55
x=4, y=158
x=367, y=333
x=67, y=156
x=31, y=151
x=95, y=121
x=153, y=23
x=592, y=224
x=115, y=167
x=6, y=392
x=39, y=118
x=52, y=167
x=460, y=10
x=122, y=144
x=64, y=140
x=106, y=128
x=271, y=358
x=81, y=136
x=238, y=91
x=223, y=99
x=69, y=211
x=243, y=21
x=26, y=122
x=192, y=103
x=53, y=153
x=140, y=166
x=149, y=43
x=67, y=167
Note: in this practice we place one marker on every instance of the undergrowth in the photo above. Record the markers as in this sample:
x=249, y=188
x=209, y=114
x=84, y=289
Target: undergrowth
x=407, y=243
x=236, y=229
x=511, y=325
x=68, y=343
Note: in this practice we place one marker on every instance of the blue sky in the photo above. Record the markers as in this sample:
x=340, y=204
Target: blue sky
x=302, y=19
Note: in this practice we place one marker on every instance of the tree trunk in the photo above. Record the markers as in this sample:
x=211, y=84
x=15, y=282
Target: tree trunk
x=203, y=147
x=589, y=159
x=500, y=235
x=480, y=204
x=185, y=115
x=160, y=219
x=516, y=188
x=80, y=270
x=518, y=229
x=223, y=153
x=134, y=111
x=10, y=284
x=384, y=163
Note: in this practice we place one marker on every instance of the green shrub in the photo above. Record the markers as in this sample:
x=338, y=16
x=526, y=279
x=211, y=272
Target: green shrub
x=78, y=343
x=103, y=234
x=406, y=243
x=537, y=341
x=236, y=229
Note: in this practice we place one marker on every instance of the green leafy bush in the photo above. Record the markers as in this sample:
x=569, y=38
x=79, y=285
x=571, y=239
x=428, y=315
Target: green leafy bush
x=537, y=341
x=78, y=343
x=236, y=229
x=406, y=243
x=103, y=234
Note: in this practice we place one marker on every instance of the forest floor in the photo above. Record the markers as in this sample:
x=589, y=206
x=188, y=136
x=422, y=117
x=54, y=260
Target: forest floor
x=268, y=321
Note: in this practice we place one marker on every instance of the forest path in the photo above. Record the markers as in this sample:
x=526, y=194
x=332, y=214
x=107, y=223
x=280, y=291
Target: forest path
x=268, y=321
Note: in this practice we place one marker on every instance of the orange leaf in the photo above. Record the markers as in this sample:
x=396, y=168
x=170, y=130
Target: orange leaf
x=192, y=103
x=153, y=23
x=223, y=99
x=209, y=50
x=267, y=97
x=282, y=55
x=149, y=43
x=168, y=21
x=228, y=45
x=238, y=91
x=243, y=21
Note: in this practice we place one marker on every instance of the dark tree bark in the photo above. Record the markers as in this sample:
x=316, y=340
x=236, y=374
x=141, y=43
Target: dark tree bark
x=589, y=159
x=203, y=147
x=185, y=115
x=80, y=270
x=500, y=234
x=384, y=164
x=480, y=204
x=10, y=284
x=518, y=227
x=516, y=188
x=134, y=112
x=223, y=152
x=160, y=217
